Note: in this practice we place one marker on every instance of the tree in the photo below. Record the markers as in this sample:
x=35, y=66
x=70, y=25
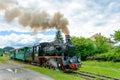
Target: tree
x=85, y=47
x=116, y=35
x=7, y=48
x=59, y=38
x=102, y=44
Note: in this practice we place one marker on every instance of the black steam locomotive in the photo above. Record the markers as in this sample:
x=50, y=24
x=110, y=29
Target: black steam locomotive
x=50, y=54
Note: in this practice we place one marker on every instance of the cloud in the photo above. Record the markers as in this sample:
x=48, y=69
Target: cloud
x=86, y=17
x=13, y=39
x=20, y=40
x=94, y=18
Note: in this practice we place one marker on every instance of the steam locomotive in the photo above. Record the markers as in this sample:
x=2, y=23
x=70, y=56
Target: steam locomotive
x=50, y=54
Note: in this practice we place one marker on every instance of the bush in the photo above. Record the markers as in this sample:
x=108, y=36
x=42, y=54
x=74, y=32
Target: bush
x=102, y=44
x=1, y=54
x=117, y=49
x=109, y=56
x=85, y=47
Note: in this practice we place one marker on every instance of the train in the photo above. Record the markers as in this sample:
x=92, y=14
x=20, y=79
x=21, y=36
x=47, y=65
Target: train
x=50, y=54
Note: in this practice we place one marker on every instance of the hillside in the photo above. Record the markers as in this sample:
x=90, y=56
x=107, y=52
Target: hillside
x=6, y=49
x=1, y=50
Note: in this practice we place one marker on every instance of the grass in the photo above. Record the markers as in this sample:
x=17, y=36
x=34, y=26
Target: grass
x=104, y=68
x=4, y=59
x=54, y=74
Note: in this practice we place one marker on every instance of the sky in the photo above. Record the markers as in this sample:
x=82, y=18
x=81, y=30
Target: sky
x=86, y=18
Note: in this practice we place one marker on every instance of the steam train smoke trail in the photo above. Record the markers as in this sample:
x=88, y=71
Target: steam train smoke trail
x=38, y=21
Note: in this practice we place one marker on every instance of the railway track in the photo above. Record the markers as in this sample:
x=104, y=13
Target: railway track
x=93, y=76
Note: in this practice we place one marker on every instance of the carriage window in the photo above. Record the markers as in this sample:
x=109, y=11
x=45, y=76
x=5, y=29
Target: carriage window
x=16, y=51
x=31, y=49
x=21, y=51
x=35, y=49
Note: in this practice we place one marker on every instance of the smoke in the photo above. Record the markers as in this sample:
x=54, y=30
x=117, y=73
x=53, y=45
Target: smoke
x=12, y=13
x=42, y=21
x=38, y=21
x=65, y=30
x=59, y=22
x=25, y=18
x=5, y=4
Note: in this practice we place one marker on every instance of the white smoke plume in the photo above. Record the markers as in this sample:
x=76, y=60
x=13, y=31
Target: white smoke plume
x=38, y=21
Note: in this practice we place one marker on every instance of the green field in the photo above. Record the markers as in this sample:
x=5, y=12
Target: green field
x=4, y=59
x=104, y=68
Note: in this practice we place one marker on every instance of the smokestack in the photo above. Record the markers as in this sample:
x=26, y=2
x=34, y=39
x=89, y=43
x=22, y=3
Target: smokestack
x=68, y=38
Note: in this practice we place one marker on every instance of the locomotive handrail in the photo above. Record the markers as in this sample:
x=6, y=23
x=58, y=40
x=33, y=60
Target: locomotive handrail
x=50, y=57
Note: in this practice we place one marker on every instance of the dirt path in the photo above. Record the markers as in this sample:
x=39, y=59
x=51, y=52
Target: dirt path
x=16, y=72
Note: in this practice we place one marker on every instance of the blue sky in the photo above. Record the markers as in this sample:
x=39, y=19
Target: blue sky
x=86, y=17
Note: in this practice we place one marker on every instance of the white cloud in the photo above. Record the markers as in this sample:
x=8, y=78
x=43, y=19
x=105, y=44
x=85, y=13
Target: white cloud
x=85, y=18
x=14, y=39
x=23, y=40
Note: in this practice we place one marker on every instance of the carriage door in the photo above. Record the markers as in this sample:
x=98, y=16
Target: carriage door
x=36, y=51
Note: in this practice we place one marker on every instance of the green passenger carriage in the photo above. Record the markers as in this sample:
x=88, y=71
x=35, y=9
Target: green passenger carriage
x=21, y=53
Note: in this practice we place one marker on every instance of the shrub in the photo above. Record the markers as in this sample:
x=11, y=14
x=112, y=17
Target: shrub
x=109, y=56
x=85, y=47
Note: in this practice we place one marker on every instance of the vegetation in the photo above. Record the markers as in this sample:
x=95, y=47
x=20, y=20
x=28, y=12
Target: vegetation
x=104, y=68
x=4, y=59
x=113, y=54
x=99, y=48
x=1, y=53
x=102, y=44
x=1, y=50
x=116, y=35
x=54, y=74
x=85, y=47
x=59, y=37
x=7, y=48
